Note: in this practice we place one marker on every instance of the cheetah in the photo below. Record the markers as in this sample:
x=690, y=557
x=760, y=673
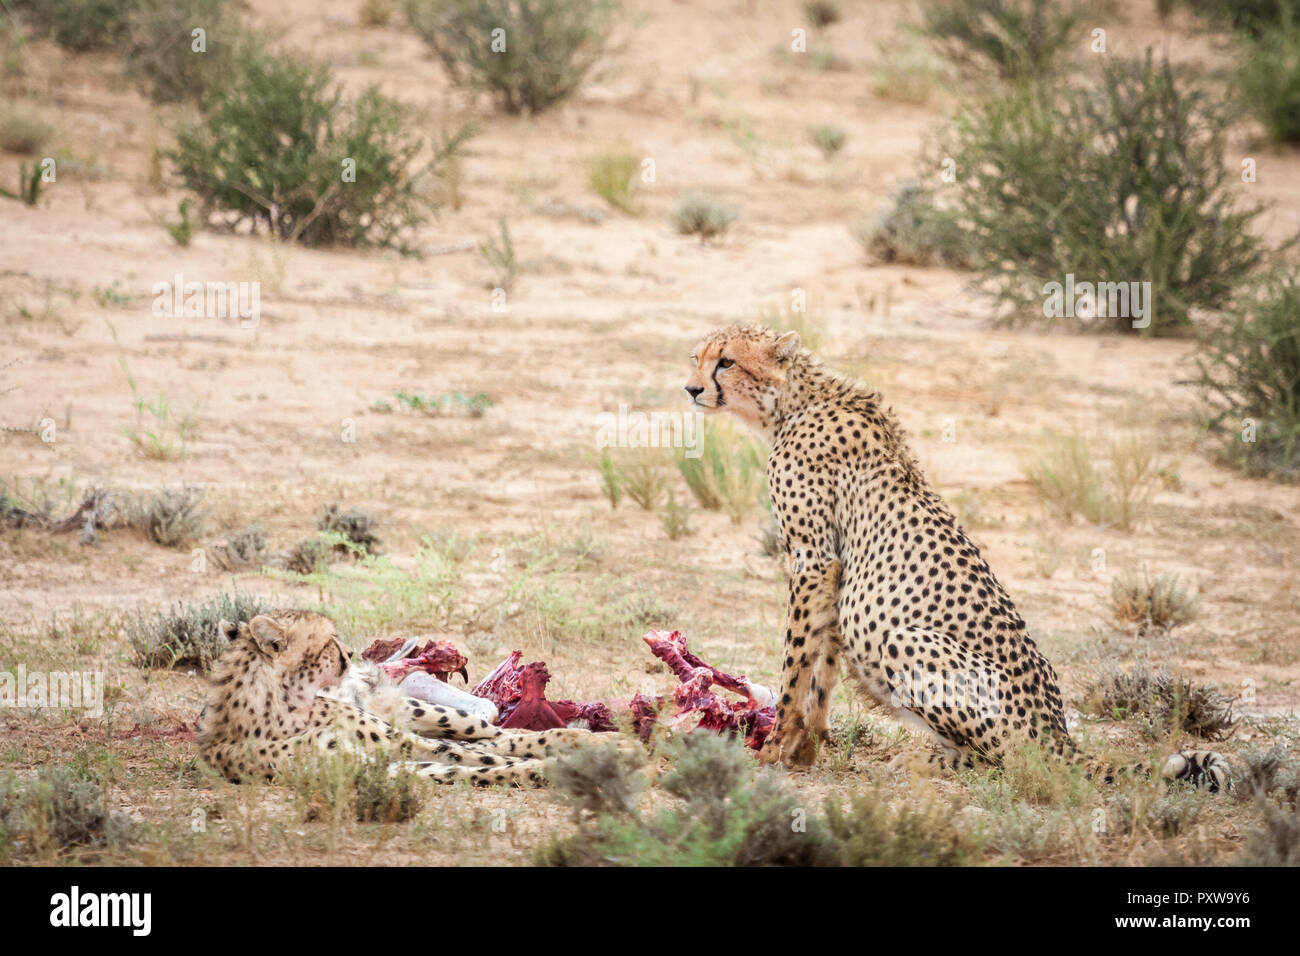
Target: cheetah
x=285, y=684
x=880, y=573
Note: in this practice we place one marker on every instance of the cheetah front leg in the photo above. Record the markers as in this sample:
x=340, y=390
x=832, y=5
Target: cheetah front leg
x=811, y=664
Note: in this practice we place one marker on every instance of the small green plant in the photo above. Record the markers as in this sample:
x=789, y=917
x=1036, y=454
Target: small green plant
x=676, y=517
x=187, y=635
x=728, y=475
x=530, y=54
x=23, y=133
x=642, y=477
x=1249, y=378
x=30, y=177
x=172, y=517
x=611, y=485
x=79, y=25
x=182, y=232
x=1151, y=603
x=914, y=230
x=614, y=176
x=500, y=256
x=160, y=433
x=448, y=403
x=111, y=295
x=906, y=71
x=828, y=138
x=1071, y=482
x=1020, y=39
x=696, y=216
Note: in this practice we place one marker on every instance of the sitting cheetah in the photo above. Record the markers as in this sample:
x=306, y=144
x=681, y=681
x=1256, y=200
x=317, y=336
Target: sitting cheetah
x=284, y=684
x=880, y=572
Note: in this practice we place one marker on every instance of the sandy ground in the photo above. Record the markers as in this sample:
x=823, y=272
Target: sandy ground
x=605, y=313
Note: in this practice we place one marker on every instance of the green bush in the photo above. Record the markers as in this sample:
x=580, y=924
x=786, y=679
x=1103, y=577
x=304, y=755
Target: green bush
x=1124, y=183
x=530, y=54
x=1249, y=365
x=1019, y=39
x=79, y=25
x=278, y=147
x=1269, y=79
x=1254, y=17
x=914, y=230
x=57, y=812
x=159, y=49
x=696, y=216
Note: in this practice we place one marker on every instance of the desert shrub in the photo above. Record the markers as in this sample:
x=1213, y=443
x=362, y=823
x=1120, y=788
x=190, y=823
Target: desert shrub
x=308, y=556
x=1124, y=183
x=872, y=831
x=172, y=517
x=79, y=25
x=728, y=475
x=597, y=779
x=376, y=13
x=611, y=485
x=676, y=517
x=1276, y=842
x=158, y=46
x=1019, y=39
x=187, y=635
x=1114, y=491
x=1249, y=378
x=641, y=476
x=614, y=176
x=278, y=147
x=383, y=797
x=549, y=45
x=822, y=13
x=1152, y=603
x=500, y=255
x=56, y=812
x=354, y=525
x=1265, y=774
x=914, y=230
x=1269, y=79
x=1170, y=703
x=23, y=133
x=828, y=138
x=332, y=787
x=696, y=216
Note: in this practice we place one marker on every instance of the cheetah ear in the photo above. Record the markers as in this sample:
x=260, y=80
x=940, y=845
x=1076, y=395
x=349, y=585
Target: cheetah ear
x=267, y=635
x=786, y=346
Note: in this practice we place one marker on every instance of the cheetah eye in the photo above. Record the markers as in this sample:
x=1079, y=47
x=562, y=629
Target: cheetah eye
x=725, y=363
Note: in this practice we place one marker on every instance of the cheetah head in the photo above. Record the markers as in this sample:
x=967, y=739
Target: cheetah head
x=741, y=370
x=302, y=646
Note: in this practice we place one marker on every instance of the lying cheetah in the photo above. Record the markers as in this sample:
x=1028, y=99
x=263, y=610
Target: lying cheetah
x=284, y=684
x=881, y=573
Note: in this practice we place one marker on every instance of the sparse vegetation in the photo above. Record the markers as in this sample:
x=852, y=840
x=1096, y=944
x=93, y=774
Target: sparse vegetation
x=728, y=474
x=500, y=256
x=1269, y=78
x=23, y=133
x=165, y=56
x=822, y=13
x=676, y=517
x=1116, y=492
x=696, y=216
x=355, y=526
x=56, y=816
x=530, y=54
x=828, y=138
